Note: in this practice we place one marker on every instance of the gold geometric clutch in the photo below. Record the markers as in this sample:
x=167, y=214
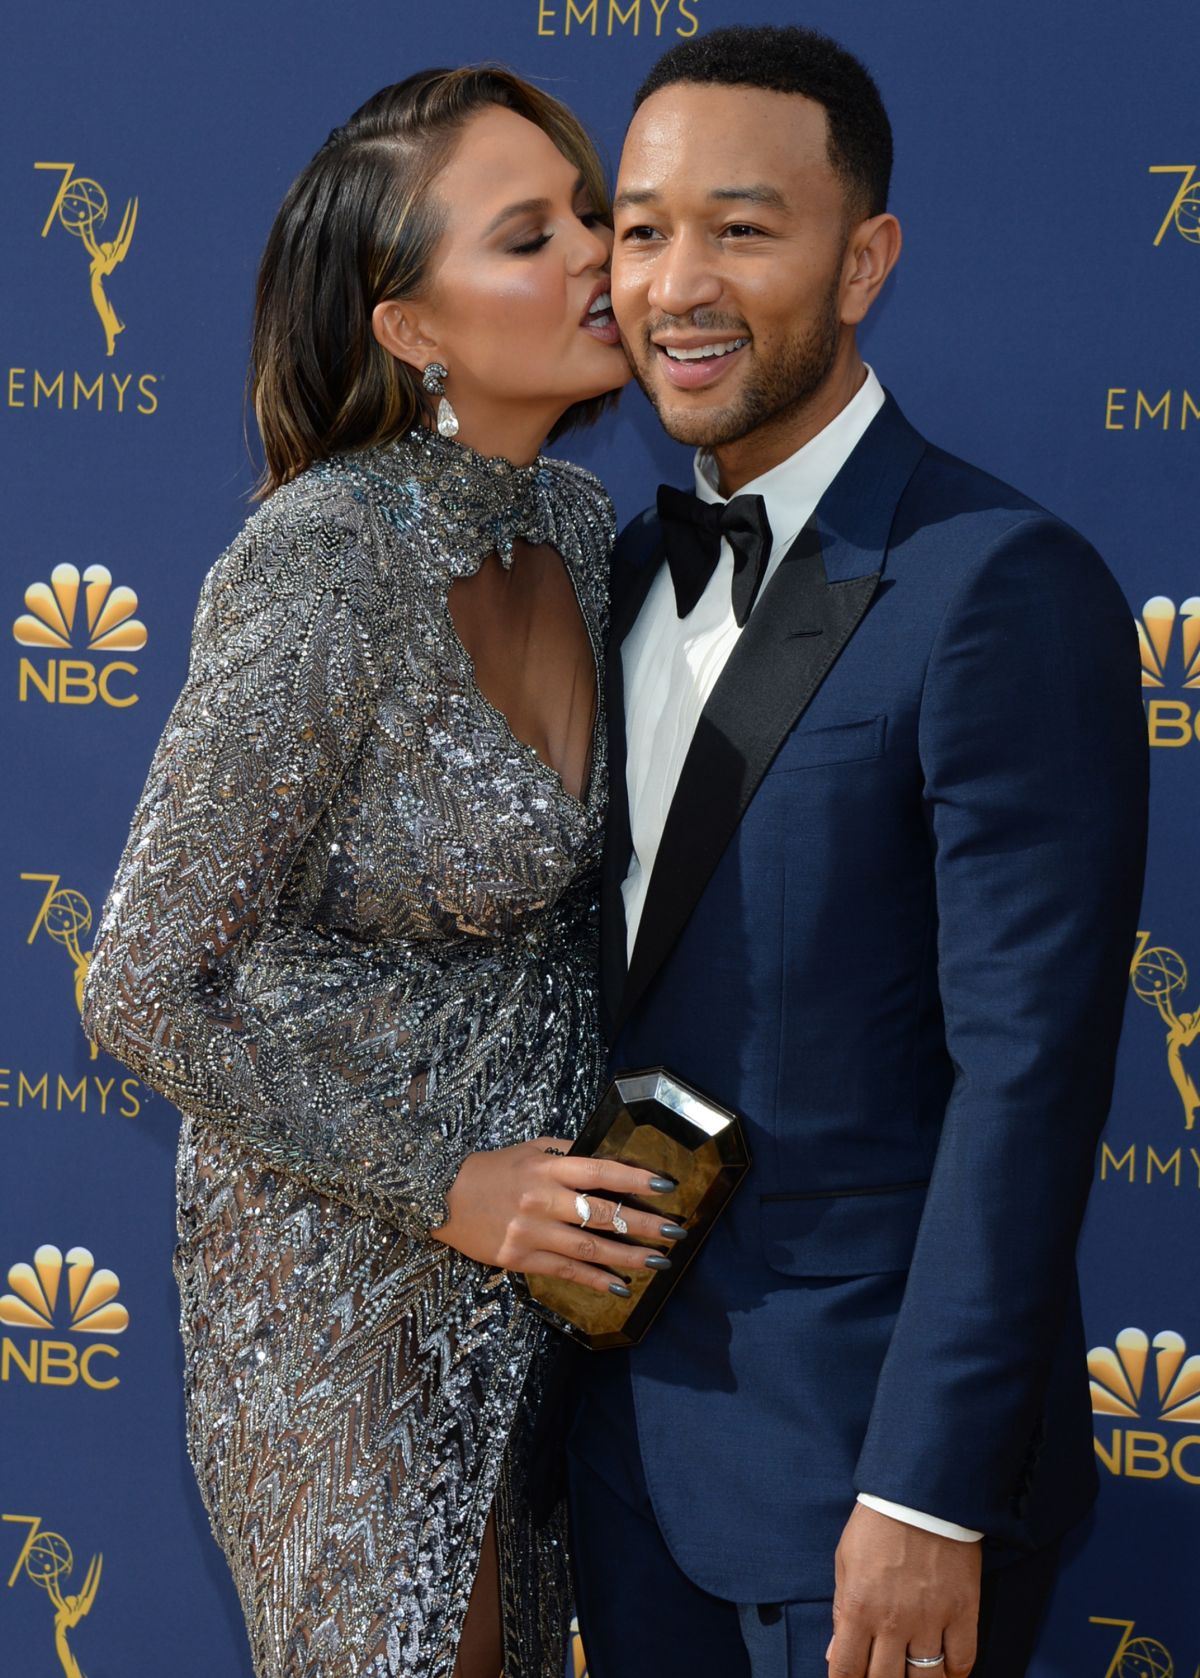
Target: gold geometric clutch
x=652, y=1119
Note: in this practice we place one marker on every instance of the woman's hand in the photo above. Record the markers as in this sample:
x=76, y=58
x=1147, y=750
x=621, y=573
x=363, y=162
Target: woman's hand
x=515, y=1208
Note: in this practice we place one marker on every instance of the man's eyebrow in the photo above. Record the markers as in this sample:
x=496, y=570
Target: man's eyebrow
x=768, y=196
x=528, y=206
x=633, y=196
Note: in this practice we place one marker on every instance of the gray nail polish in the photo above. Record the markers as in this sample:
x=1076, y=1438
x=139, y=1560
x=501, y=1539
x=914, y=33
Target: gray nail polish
x=663, y=1185
x=621, y=1291
x=672, y=1232
x=658, y=1261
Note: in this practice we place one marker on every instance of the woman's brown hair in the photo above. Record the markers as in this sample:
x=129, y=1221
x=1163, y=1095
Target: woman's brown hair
x=358, y=227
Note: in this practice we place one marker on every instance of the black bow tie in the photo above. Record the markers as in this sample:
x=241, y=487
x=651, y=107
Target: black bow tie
x=692, y=531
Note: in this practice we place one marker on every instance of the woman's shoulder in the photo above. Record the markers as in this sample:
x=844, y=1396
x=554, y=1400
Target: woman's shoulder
x=580, y=493
x=312, y=534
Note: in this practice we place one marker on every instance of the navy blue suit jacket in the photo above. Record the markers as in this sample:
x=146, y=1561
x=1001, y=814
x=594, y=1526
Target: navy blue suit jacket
x=890, y=923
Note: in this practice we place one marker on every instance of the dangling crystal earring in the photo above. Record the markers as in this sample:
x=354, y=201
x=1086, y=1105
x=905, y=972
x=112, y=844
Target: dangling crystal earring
x=434, y=379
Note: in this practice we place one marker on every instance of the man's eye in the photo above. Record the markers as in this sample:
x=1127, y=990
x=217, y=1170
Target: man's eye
x=743, y=230
x=640, y=233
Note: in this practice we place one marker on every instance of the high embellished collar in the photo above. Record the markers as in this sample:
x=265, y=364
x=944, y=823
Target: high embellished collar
x=484, y=503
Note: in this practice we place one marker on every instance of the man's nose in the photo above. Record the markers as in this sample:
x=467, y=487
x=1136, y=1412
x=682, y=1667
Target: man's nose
x=684, y=277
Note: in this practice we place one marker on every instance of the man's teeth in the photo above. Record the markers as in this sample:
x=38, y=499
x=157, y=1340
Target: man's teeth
x=706, y=350
x=602, y=304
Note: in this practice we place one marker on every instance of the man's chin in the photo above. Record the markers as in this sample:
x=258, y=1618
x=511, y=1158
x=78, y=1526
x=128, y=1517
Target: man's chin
x=698, y=425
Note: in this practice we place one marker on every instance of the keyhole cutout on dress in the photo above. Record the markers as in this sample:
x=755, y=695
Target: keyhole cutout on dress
x=526, y=637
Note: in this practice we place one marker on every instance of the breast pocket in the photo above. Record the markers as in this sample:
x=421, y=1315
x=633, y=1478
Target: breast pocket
x=816, y=748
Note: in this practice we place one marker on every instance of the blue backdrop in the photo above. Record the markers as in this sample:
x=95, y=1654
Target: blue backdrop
x=1042, y=323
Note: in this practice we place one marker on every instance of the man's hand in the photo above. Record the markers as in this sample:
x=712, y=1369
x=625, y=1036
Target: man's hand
x=902, y=1591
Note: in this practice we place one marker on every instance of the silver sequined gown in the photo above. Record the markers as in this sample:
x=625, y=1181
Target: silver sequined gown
x=352, y=938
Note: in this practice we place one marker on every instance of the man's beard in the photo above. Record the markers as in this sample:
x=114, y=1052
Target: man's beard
x=771, y=394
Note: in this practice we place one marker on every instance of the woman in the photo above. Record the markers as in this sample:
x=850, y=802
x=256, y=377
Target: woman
x=352, y=933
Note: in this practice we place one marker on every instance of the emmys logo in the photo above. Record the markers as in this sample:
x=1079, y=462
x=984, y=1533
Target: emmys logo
x=1171, y=722
x=609, y=17
x=1120, y=414
x=1158, y=975
x=1184, y=214
x=46, y=1561
x=63, y=916
x=1117, y=1378
x=1137, y=1657
x=90, y=1307
x=81, y=206
x=50, y=622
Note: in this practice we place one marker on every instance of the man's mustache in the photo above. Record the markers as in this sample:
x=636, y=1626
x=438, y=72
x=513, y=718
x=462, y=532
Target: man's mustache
x=700, y=320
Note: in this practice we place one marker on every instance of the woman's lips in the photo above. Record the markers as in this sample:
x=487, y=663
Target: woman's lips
x=603, y=327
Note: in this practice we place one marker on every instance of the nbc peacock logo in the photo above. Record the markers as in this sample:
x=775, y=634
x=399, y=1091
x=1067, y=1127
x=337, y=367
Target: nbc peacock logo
x=87, y=1305
x=1169, y=641
x=1156, y=631
x=1121, y=1390
x=55, y=623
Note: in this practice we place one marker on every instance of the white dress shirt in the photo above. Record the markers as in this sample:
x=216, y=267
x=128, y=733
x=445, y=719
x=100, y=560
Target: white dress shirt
x=671, y=665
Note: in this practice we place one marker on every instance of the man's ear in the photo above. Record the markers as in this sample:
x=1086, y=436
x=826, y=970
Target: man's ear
x=871, y=254
x=399, y=325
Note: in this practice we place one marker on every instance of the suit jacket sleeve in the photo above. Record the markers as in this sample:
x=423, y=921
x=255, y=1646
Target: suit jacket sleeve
x=1034, y=754
x=281, y=686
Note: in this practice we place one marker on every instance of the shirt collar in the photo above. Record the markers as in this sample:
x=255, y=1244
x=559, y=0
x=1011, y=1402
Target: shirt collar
x=793, y=488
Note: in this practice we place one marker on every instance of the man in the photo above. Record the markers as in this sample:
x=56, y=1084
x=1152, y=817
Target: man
x=857, y=890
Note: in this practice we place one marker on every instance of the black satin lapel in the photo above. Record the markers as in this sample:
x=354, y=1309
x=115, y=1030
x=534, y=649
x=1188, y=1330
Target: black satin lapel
x=784, y=654
x=628, y=600
x=618, y=846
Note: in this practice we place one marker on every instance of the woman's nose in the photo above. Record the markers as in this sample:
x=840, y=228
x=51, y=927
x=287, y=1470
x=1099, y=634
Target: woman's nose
x=593, y=248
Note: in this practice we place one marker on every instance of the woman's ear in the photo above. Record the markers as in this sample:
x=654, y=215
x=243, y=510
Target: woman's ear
x=402, y=330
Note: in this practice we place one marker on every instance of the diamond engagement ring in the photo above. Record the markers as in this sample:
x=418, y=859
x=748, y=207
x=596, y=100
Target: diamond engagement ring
x=925, y=1660
x=583, y=1209
x=619, y=1224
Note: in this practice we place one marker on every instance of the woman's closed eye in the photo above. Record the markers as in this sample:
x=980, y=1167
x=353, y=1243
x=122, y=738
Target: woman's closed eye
x=589, y=218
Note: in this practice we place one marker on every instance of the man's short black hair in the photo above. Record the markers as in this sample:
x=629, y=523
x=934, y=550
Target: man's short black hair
x=793, y=60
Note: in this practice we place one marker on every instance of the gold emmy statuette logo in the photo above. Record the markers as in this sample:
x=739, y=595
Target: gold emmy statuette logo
x=46, y=1561
x=1158, y=975
x=81, y=206
x=1184, y=214
x=1117, y=1376
x=1136, y=1657
x=64, y=916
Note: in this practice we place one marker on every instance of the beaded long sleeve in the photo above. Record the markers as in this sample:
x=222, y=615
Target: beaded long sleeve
x=282, y=683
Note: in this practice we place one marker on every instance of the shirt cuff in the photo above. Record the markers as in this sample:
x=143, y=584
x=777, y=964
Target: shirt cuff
x=914, y=1518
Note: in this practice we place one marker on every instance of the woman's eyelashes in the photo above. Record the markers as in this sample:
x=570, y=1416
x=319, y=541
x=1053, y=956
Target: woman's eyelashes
x=589, y=218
